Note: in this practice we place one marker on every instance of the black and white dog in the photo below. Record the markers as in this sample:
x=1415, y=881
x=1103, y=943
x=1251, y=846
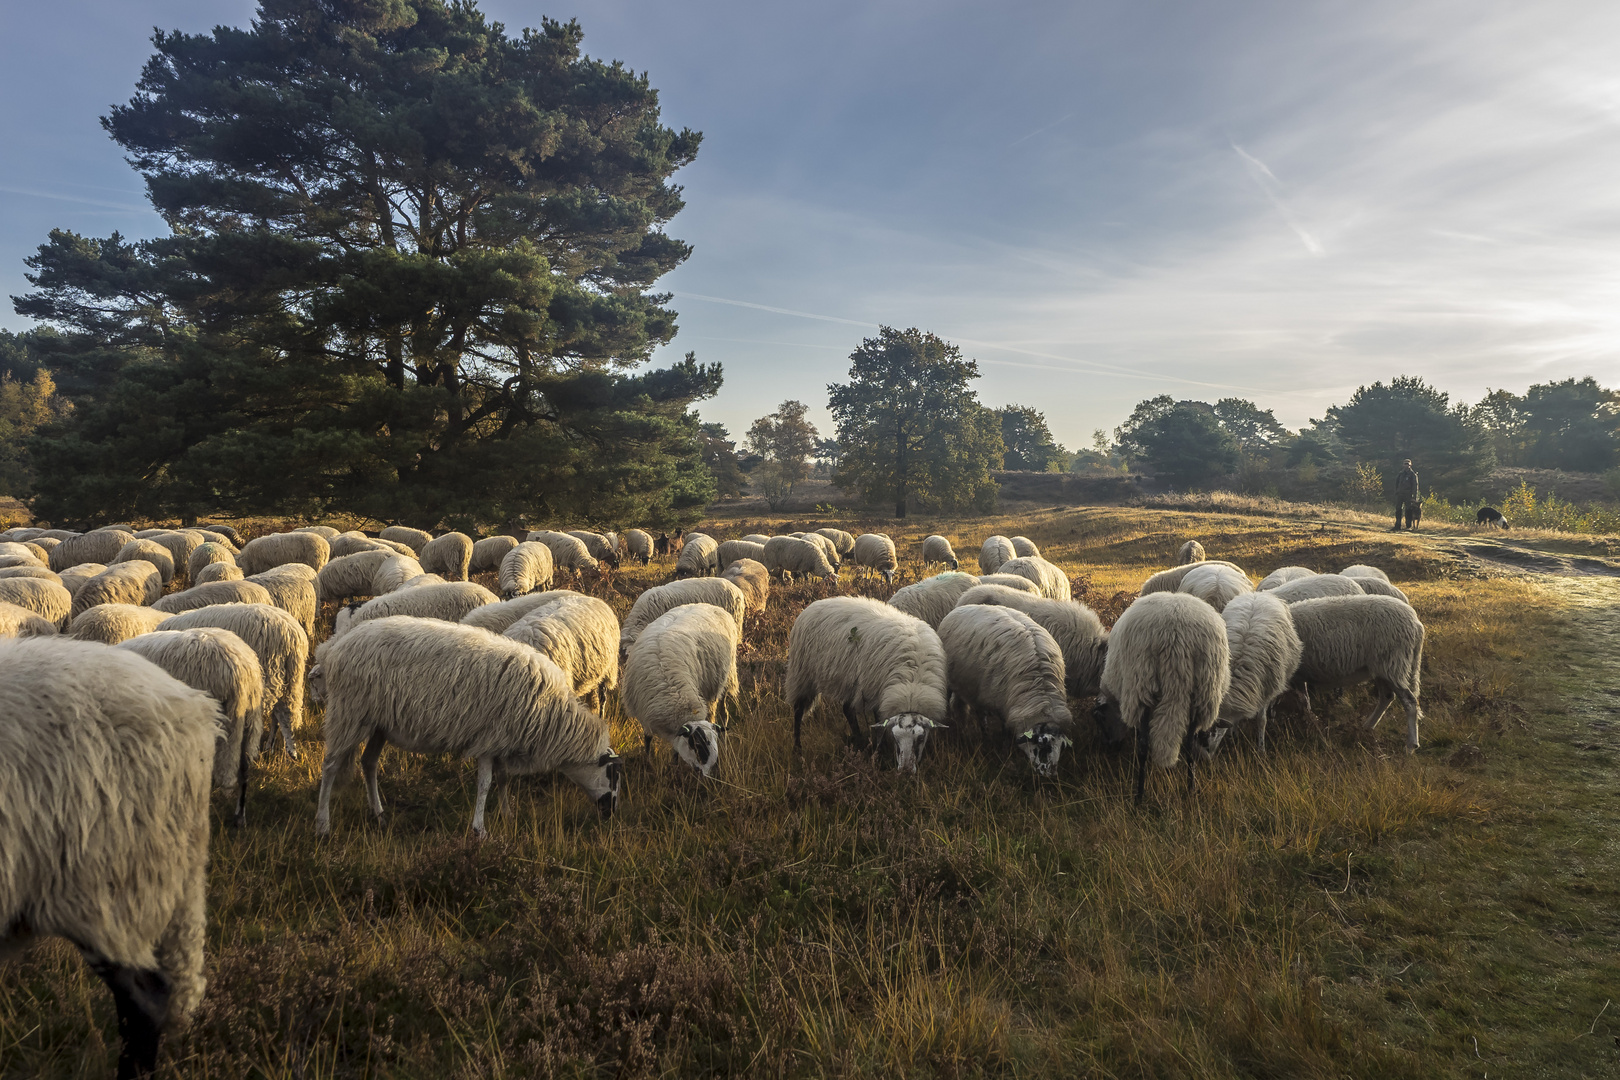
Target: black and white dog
x=1490, y=515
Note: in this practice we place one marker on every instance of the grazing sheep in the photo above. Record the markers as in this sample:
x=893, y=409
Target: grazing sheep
x=1168, y=669
x=218, y=663
x=1215, y=584
x=677, y=672
x=1011, y=581
x=104, y=765
x=259, y=555
x=449, y=555
x=282, y=648
x=601, y=548
x=931, y=599
x=1282, y=576
x=828, y=548
x=415, y=539
x=1004, y=664
x=18, y=622
x=1265, y=652
x=639, y=545
x=12, y=550
x=1361, y=570
x=215, y=592
x=352, y=543
x=1170, y=580
x=759, y=538
x=938, y=549
x=433, y=687
x=1316, y=587
x=393, y=572
x=788, y=557
x=995, y=551
x=133, y=582
x=1379, y=587
x=179, y=543
x=292, y=589
x=732, y=550
x=1024, y=547
x=325, y=532
x=350, y=575
x=111, y=623
x=424, y=579
x=1191, y=552
x=205, y=554
x=498, y=617
x=47, y=599
x=653, y=603
x=1346, y=640
x=226, y=531
x=567, y=553
x=449, y=601
x=488, y=553
x=869, y=659
x=30, y=572
x=752, y=580
x=580, y=634
x=1052, y=582
x=875, y=551
x=77, y=577
x=526, y=568
x=699, y=557
x=1076, y=629
x=843, y=542
x=98, y=547
x=219, y=571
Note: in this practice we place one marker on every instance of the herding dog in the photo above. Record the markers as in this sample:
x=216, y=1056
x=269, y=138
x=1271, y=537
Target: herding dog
x=1490, y=515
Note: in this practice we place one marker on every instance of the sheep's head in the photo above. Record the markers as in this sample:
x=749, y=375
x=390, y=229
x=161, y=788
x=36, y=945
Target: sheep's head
x=954, y=564
x=317, y=682
x=910, y=733
x=1043, y=744
x=345, y=618
x=1109, y=722
x=601, y=779
x=698, y=744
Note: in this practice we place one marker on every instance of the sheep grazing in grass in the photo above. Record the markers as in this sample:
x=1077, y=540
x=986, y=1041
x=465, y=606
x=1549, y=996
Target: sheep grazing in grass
x=259, y=555
x=602, y=549
x=1265, y=652
x=732, y=550
x=681, y=675
x=433, y=687
x=828, y=548
x=699, y=557
x=752, y=580
x=1004, y=664
x=1170, y=580
x=219, y=571
x=424, y=579
x=568, y=553
x=77, y=577
x=1316, y=587
x=663, y=598
x=525, y=568
x=449, y=555
x=19, y=622
x=282, y=648
x=393, y=572
x=1282, y=576
x=488, y=553
x=1347, y=640
x=937, y=549
x=761, y=538
x=212, y=594
x=1052, y=582
x=869, y=659
x=1379, y=587
x=104, y=765
x=1191, y=552
x=1215, y=584
x=1168, y=668
x=1024, y=547
x=580, y=634
x=99, y=547
x=47, y=599
x=448, y=601
x=226, y=531
x=292, y=589
x=993, y=552
x=218, y=663
x=931, y=599
x=639, y=545
x=788, y=557
x=1011, y=581
x=352, y=543
x=30, y=572
x=325, y=532
x=205, y=554
x=415, y=539
x=133, y=582
x=499, y=616
x=350, y=575
x=1361, y=570
x=1076, y=628
x=150, y=551
x=10, y=549
x=875, y=551
x=111, y=623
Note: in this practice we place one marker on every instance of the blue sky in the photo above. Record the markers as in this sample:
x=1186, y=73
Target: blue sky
x=1098, y=201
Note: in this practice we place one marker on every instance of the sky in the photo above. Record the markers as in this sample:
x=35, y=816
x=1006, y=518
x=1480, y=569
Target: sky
x=1100, y=202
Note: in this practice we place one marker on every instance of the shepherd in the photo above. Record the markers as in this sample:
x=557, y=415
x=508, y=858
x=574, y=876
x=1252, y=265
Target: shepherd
x=1407, y=498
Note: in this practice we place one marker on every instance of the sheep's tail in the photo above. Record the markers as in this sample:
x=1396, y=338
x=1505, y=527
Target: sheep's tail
x=1166, y=736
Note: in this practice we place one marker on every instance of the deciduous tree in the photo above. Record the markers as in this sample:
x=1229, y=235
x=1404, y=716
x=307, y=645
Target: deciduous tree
x=1180, y=442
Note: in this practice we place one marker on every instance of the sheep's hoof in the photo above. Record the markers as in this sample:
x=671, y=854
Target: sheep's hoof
x=480, y=833
x=240, y=821
x=1412, y=748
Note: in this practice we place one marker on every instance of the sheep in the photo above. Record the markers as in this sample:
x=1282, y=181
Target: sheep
x=350, y=575
x=1283, y=576
x=77, y=577
x=281, y=646
x=277, y=548
x=1347, y=640
x=20, y=533
x=133, y=582
x=104, y=765
x=760, y=538
x=449, y=601
x=325, y=532
x=1191, y=552
x=219, y=571
x=678, y=672
x=525, y=568
x=931, y=599
x=213, y=593
x=732, y=550
x=1170, y=580
x=179, y=543
x=653, y=603
x=218, y=663
x=30, y=572
x=567, y=552
x=58, y=535
x=869, y=659
x=1052, y=582
x=393, y=572
x=639, y=545
x=875, y=551
x=41, y=552
x=488, y=553
x=354, y=542
x=204, y=554
x=828, y=548
x=47, y=599
x=843, y=542
x=112, y=623
x=449, y=555
x=226, y=531
x=1011, y=581
x=1361, y=570
x=1024, y=547
x=788, y=557
x=20, y=622
x=1379, y=587
x=292, y=589
x=1004, y=664
x=99, y=546
x=1264, y=654
x=1168, y=668
x=415, y=539
x=699, y=557
x=499, y=616
x=1316, y=587
x=1215, y=584
x=423, y=579
x=601, y=548
x=580, y=634
x=752, y=580
x=433, y=687
x=1076, y=628
x=995, y=551
x=938, y=549
x=10, y=549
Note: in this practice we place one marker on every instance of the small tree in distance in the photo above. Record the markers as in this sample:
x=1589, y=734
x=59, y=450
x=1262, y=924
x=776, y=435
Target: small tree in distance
x=785, y=439
x=1029, y=441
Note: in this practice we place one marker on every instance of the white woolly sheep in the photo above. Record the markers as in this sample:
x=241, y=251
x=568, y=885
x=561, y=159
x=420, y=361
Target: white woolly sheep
x=498, y=617
x=653, y=603
x=10, y=549
x=212, y=594
x=99, y=547
x=415, y=539
x=788, y=557
x=1361, y=570
x=1076, y=628
x=488, y=553
x=47, y=599
x=1170, y=580
x=1265, y=653
x=449, y=602
x=1011, y=581
x=112, y=623
x=1024, y=547
x=827, y=546
x=639, y=544
x=226, y=531
x=1346, y=640
x=567, y=553
x=601, y=548
x=1316, y=587
x=1379, y=587
x=759, y=538
x=77, y=577
x=220, y=664
x=931, y=599
x=752, y=580
x=843, y=542
x=353, y=542
x=325, y=532
x=875, y=551
x=678, y=672
x=580, y=634
x=1191, y=552
x=1168, y=669
x=424, y=579
x=100, y=845
x=699, y=557
x=393, y=572
x=1282, y=576
x=449, y=555
x=204, y=555
x=350, y=575
x=30, y=572
x=938, y=549
x=1047, y=577
x=179, y=543
x=732, y=550
x=282, y=648
x=133, y=582
x=292, y=589
x=16, y=622
x=219, y=571
x=433, y=687
x=869, y=659
x=1215, y=584
x=1004, y=664
x=259, y=555
x=526, y=568
x=995, y=551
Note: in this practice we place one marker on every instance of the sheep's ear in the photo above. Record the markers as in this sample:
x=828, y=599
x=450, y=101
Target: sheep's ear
x=1065, y=742
x=686, y=729
x=934, y=723
x=1028, y=736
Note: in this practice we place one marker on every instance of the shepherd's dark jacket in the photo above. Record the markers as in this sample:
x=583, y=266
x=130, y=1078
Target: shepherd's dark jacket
x=1406, y=486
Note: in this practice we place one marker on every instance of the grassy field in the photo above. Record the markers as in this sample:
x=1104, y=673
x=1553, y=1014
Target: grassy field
x=1337, y=909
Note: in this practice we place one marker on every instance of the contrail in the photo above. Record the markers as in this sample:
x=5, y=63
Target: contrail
x=1312, y=245
x=1038, y=130
x=71, y=198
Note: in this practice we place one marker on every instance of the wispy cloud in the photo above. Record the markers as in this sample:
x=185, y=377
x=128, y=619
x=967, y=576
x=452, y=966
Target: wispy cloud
x=59, y=196
x=1268, y=183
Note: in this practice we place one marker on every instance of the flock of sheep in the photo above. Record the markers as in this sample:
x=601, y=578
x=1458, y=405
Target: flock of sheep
x=125, y=702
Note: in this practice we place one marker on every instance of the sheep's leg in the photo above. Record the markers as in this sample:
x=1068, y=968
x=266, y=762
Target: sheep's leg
x=1261, y=719
x=1189, y=744
x=646, y=745
x=283, y=715
x=1141, y=754
x=856, y=735
x=486, y=769
x=368, y=767
x=338, y=758
x=1386, y=694
x=1413, y=715
x=141, y=997
x=799, y=709
x=242, y=766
